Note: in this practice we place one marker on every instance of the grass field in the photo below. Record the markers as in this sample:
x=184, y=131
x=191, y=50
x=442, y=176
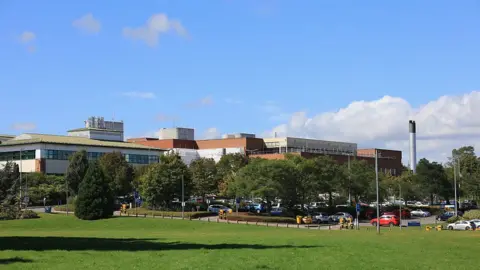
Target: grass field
x=61, y=242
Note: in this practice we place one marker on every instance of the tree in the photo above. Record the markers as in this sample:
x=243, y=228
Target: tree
x=9, y=183
x=362, y=184
x=268, y=179
x=162, y=182
x=95, y=197
x=118, y=173
x=204, y=177
x=308, y=182
x=227, y=168
x=433, y=179
x=330, y=176
x=76, y=170
x=468, y=171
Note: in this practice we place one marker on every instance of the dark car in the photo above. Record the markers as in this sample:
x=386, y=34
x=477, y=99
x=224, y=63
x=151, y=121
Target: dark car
x=446, y=215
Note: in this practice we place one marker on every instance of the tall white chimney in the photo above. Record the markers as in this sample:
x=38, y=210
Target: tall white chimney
x=413, y=145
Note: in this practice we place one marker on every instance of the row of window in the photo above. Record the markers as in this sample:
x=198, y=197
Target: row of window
x=131, y=158
x=390, y=171
x=28, y=154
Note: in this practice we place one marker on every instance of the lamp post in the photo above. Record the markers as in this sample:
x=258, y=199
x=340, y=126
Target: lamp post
x=400, y=200
x=455, y=170
x=183, y=199
x=378, y=194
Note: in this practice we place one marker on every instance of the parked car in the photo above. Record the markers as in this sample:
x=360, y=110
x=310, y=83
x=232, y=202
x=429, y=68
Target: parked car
x=215, y=208
x=476, y=221
x=257, y=207
x=420, y=213
x=277, y=211
x=321, y=217
x=336, y=217
x=460, y=225
x=405, y=213
x=446, y=215
x=386, y=220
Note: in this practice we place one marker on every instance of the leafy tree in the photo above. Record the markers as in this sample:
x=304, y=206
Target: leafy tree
x=9, y=183
x=50, y=187
x=268, y=179
x=468, y=171
x=95, y=197
x=76, y=170
x=204, y=177
x=118, y=173
x=433, y=179
x=330, y=176
x=362, y=183
x=227, y=168
x=308, y=180
x=162, y=182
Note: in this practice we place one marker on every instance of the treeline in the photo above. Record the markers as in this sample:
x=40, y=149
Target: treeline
x=294, y=180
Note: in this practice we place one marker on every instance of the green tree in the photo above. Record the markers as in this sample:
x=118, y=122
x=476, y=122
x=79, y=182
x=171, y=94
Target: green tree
x=308, y=178
x=227, y=168
x=9, y=183
x=468, y=172
x=268, y=179
x=362, y=184
x=433, y=179
x=95, y=197
x=330, y=176
x=204, y=177
x=118, y=173
x=76, y=170
x=162, y=182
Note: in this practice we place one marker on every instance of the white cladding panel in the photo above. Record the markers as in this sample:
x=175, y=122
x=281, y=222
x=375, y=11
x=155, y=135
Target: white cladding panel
x=189, y=155
x=177, y=133
x=26, y=166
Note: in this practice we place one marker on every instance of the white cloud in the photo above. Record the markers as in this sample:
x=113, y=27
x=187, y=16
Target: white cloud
x=156, y=25
x=211, y=133
x=443, y=124
x=274, y=111
x=27, y=37
x=87, y=24
x=142, y=95
x=24, y=126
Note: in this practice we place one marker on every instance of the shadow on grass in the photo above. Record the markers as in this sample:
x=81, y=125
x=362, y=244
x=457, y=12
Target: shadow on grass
x=116, y=244
x=14, y=260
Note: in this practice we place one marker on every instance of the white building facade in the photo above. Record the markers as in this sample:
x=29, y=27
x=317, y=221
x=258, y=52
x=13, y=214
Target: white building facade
x=50, y=153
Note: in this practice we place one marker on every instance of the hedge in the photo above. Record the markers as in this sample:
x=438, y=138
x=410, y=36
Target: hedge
x=263, y=219
x=63, y=208
x=10, y=212
x=472, y=214
x=29, y=214
x=143, y=211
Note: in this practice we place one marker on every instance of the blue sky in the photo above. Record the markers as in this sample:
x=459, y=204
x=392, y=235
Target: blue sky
x=231, y=65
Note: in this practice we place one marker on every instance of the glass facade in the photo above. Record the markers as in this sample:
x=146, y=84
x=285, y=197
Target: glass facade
x=15, y=155
x=130, y=158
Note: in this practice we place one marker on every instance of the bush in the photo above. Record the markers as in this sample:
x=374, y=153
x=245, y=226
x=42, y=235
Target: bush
x=453, y=219
x=194, y=215
x=8, y=212
x=63, y=208
x=95, y=198
x=28, y=214
x=264, y=219
x=472, y=214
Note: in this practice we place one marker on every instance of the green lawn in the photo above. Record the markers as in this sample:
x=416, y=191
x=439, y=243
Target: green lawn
x=61, y=242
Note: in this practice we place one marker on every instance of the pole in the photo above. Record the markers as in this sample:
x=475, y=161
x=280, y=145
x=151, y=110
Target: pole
x=66, y=194
x=21, y=178
x=378, y=195
x=183, y=199
x=455, y=182
x=400, y=200
x=349, y=181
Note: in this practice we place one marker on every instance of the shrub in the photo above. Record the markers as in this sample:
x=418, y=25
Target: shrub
x=453, y=219
x=28, y=214
x=63, y=208
x=8, y=212
x=194, y=215
x=262, y=219
x=472, y=214
x=95, y=198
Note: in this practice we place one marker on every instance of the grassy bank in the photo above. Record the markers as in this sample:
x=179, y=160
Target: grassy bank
x=64, y=242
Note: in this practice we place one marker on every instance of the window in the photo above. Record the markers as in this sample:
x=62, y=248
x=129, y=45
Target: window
x=28, y=154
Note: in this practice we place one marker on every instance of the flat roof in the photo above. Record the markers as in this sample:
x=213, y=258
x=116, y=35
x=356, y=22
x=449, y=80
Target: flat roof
x=279, y=139
x=32, y=138
x=7, y=136
x=94, y=129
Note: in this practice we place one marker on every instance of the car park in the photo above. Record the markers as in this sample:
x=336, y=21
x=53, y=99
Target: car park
x=277, y=211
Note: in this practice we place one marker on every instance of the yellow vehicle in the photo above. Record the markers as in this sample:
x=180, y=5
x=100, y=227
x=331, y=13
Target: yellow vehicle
x=307, y=220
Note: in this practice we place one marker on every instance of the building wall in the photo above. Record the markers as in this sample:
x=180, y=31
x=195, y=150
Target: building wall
x=309, y=145
x=246, y=143
x=166, y=144
x=177, y=133
x=104, y=135
x=54, y=166
x=393, y=166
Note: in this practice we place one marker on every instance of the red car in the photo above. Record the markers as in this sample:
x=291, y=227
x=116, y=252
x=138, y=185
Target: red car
x=405, y=213
x=386, y=220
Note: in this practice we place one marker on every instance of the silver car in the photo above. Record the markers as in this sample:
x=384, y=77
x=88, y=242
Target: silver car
x=321, y=217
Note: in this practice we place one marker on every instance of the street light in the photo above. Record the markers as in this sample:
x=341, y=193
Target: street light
x=400, y=200
x=378, y=194
x=455, y=160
